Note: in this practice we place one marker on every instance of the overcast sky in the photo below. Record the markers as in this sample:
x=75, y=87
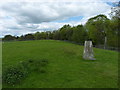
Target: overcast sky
x=21, y=17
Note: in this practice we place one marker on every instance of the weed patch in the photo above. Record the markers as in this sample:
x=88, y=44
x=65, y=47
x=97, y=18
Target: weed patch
x=15, y=74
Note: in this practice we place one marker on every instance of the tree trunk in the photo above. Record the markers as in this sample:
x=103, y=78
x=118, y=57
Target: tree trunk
x=105, y=43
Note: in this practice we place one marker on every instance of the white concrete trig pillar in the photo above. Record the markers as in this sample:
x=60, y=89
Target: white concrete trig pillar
x=88, y=51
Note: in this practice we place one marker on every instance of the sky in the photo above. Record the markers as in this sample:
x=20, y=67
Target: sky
x=19, y=17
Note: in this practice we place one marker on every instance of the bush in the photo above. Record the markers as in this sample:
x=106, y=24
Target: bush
x=13, y=75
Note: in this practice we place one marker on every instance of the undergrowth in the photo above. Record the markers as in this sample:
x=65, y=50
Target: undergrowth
x=15, y=74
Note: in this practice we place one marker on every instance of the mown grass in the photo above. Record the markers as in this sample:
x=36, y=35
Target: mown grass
x=66, y=68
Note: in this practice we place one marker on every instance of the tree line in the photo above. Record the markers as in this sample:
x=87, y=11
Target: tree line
x=96, y=29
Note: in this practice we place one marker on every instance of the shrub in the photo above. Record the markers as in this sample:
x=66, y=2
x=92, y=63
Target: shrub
x=13, y=75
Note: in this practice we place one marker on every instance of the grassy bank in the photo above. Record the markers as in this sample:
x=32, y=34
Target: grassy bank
x=66, y=68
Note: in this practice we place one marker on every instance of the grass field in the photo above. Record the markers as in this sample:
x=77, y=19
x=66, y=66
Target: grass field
x=0, y=64
x=66, y=67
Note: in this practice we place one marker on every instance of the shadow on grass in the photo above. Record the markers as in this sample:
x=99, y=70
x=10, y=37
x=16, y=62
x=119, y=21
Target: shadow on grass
x=84, y=60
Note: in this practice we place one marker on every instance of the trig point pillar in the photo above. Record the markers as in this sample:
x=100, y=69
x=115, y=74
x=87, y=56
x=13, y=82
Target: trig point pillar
x=88, y=51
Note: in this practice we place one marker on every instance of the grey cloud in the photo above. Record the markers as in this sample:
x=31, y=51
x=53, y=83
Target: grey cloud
x=37, y=16
x=47, y=12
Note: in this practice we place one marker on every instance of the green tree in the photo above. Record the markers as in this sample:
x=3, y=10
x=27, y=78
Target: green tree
x=29, y=37
x=96, y=27
x=115, y=22
x=69, y=33
x=56, y=35
x=63, y=32
x=49, y=35
x=21, y=38
x=9, y=38
x=43, y=35
x=79, y=34
x=37, y=36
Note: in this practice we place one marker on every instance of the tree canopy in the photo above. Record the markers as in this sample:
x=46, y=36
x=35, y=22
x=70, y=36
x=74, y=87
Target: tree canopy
x=96, y=29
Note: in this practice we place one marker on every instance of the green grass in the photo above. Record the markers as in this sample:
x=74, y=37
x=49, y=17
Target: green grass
x=66, y=68
x=0, y=64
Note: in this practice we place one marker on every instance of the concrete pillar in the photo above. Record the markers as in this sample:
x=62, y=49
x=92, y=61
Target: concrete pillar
x=88, y=51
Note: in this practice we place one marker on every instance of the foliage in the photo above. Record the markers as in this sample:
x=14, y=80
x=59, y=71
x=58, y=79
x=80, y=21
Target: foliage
x=9, y=38
x=15, y=74
x=96, y=29
x=79, y=34
x=29, y=37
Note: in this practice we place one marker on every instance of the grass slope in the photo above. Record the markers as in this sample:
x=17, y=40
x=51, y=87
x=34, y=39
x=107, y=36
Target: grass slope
x=0, y=64
x=66, y=68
